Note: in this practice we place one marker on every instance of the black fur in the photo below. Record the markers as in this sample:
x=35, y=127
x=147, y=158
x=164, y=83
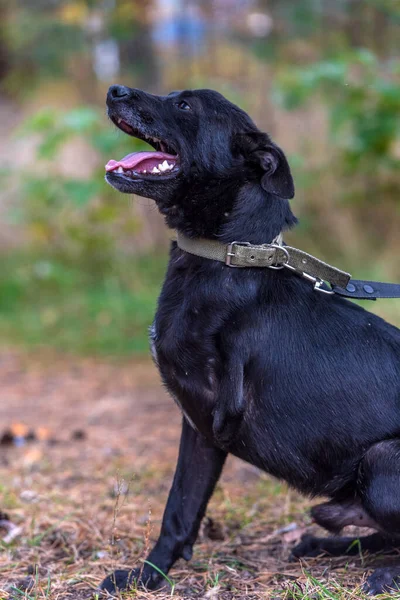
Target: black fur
x=303, y=385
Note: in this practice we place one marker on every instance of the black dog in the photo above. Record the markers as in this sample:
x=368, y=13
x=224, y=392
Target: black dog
x=303, y=385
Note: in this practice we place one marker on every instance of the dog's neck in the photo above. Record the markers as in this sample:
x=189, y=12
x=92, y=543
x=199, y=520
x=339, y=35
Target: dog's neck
x=257, y=217
x=250, y=215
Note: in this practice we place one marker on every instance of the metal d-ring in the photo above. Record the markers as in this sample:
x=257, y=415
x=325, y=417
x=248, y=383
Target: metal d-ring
x=286, y=253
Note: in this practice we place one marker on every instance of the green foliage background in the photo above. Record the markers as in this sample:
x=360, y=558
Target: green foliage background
x=81, y=280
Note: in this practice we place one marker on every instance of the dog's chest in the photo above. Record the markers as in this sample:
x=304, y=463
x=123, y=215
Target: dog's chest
x=198, y=305
x=185, y=356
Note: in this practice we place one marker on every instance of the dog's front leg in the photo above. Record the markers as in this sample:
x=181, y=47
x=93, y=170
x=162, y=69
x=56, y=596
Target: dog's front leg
x=229, y=410
x=198, y=469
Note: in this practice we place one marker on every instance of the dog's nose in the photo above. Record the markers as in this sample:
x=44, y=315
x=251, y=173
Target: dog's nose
x=118, y=92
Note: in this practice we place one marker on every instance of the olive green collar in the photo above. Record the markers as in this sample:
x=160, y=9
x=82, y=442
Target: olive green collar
x=274, y=255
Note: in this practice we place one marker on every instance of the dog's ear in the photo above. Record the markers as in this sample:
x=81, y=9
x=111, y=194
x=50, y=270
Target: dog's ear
x=258, y=149
x=277, y=178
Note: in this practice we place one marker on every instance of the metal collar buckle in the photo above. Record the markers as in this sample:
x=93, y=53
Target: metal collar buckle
x=319, y=284
x=230, y=253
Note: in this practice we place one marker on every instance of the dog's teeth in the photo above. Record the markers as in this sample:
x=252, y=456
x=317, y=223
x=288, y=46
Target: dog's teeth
x=120, y=170
x=119, y=121
x=165, y=166
x=155, y=170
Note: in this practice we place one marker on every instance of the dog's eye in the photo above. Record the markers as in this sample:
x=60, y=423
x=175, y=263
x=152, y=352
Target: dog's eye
x=182, y=105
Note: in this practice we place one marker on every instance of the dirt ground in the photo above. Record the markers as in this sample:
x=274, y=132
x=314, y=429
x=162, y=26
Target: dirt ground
x=87, y=495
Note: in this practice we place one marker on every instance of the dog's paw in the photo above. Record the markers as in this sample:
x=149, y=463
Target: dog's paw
x=135, y=578
x=309, y=546
x=120, y=580
x=382, y=581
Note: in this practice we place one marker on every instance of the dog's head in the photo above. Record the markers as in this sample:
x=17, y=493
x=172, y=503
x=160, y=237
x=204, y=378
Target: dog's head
x=206, y=150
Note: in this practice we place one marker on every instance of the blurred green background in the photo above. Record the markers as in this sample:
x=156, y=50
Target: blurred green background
x=81, y=265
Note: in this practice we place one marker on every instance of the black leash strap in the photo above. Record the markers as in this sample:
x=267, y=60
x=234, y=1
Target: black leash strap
x=368, y=290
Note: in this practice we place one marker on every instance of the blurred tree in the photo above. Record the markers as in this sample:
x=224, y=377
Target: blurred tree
x=39, y=42
x=362, y=97
x=130, y=25
x=4, y=54
x=75, y=39
x=363, y=100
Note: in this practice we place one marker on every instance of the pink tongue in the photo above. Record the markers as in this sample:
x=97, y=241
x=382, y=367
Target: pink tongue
x=146, y=160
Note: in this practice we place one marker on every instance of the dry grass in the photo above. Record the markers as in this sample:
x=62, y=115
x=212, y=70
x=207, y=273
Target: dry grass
x=87, y=506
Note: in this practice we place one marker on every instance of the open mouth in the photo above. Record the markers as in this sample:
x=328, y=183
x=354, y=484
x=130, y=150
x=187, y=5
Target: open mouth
x=164, y=161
